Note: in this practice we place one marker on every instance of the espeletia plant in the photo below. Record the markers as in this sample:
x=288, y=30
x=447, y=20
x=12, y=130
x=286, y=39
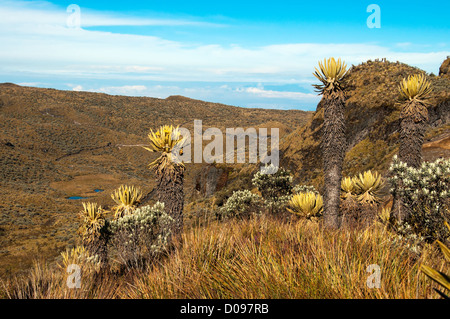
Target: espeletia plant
x=307, y=205
x=127, y=199
x=360, y=197
x=94, y=231
x=169, y=169
x=332, y=74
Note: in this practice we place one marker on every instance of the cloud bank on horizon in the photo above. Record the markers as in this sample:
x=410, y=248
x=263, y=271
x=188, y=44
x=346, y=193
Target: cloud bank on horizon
x=259, y=55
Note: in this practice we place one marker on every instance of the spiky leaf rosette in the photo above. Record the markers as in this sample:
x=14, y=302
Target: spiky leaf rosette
x=168, y=141
x=415, y=89
x=331, y=74
x=93, y=219
x=308, y=205
x=348, y=187
x=127, y=199
x=370, y=187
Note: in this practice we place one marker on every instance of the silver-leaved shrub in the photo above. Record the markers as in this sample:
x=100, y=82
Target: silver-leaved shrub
x=425, y=193
x=141, y=236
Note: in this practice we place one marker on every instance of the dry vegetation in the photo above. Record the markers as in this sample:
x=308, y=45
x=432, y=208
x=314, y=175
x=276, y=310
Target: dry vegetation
x=373, y=122
x=57, y=144
x=263, y=257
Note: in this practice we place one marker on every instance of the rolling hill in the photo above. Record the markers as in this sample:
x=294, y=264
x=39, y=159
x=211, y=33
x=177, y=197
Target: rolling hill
x=60, y=144
x=373, y=123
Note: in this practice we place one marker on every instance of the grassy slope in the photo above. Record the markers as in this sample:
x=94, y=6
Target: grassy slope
x=55, y=144
x=260, y=258
x=296, y=260
x=373, y=123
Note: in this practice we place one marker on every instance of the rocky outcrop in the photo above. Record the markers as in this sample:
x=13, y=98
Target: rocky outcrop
x=373, y=122
x=445, y=67
x=210, y=179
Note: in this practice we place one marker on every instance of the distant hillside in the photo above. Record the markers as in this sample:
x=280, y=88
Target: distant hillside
x=58, y=144
x=373, y=123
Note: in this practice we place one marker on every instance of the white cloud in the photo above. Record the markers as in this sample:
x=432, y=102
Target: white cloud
x=39, y=34
x=37, y=42
x=42, y=13
x=279, y=94
x=403, y=44
x=123, y=90
x=29, y=83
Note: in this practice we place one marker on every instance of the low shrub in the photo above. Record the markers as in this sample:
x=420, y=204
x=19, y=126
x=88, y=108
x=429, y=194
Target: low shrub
x=424, y=192
x=275, y=185
x=140, y=236
x=242, y=204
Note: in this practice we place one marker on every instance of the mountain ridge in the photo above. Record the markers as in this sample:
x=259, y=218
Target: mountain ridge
x=58, y=144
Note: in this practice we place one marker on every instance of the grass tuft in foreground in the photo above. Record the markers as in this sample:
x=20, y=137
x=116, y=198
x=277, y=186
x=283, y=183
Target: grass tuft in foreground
x=257, y=258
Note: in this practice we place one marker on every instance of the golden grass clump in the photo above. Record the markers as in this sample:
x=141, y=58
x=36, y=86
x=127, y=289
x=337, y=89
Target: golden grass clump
x=76, y=255
x=258, y=258
x=264, y=258
x=438, y=276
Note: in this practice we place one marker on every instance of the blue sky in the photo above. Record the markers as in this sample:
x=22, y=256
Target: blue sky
x=244, y=53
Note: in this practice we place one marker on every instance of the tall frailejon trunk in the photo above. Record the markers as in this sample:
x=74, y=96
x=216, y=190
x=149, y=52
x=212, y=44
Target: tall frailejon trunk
x=170, y=192
x=412, y=134
x=333, y=148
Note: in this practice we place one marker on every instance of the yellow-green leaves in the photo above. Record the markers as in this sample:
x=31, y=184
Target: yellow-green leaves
x=348, y=187
x=385, y=214
x=415, y=87
x=127, y=199
x=367, y=187
x=306, y=204
x=331, y=74
x=93, y=219
x=165, y=140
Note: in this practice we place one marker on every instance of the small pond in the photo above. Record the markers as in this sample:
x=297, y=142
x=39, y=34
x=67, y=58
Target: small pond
x=81, y=197
x=76, y=197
